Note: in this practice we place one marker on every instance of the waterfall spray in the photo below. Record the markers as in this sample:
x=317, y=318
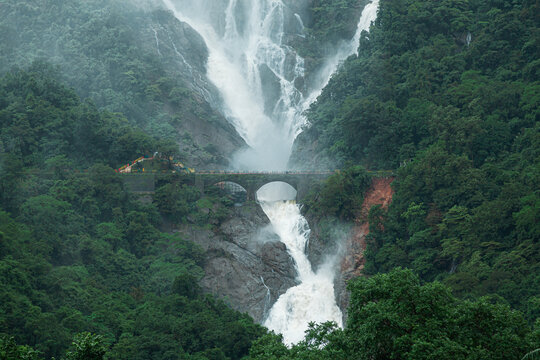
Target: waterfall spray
x=247, y=46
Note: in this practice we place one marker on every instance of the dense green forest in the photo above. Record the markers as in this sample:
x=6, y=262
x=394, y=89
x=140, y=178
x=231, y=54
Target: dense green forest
x=97, y=50
x=449, y=94
x=79, y=254
x=446, y=93
x=394, y=316
x=330, y=21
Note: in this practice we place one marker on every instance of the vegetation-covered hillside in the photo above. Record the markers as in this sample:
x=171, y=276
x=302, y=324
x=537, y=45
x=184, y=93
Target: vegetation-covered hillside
x=79, y=254
x=394, y=316
x=449, y=93
x=124, y=58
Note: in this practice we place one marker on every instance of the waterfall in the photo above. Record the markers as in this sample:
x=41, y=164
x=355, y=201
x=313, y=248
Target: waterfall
x=313, y=299
x=369, y=14
x=157, y=41
x=267, y=299
x=256, y=72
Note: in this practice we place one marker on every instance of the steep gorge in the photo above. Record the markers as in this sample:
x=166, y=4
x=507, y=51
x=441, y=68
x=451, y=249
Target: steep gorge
x=244, y=263
x=222, y=78
x=265, y=90
x=443, y=93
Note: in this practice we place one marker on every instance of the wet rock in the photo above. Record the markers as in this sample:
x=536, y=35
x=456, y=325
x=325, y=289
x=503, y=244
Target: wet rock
x=352, y=264
x=307, y=154
x=275, y=255
x=245, y=262
x=271, y=88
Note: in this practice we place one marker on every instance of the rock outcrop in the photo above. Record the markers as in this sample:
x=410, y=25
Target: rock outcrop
x=352, y=264
x=344, y=244
x=245, y=263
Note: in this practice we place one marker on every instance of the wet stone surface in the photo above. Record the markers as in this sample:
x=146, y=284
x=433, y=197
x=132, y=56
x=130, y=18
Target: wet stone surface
x=245, y=264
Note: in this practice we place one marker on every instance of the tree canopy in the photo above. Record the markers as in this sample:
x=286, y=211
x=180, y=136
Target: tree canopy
x=446, y=94
x=395, y=316
x=79, y=253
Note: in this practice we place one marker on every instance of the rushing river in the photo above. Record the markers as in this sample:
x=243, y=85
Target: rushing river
x=256, y=73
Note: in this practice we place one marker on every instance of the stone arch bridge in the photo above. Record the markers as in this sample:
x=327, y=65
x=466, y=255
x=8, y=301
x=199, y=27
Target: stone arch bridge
x=301, y=181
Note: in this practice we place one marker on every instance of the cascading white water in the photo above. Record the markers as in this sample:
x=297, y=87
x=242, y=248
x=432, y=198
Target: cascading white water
x=245, y=43
x=313, y=299
x=256, y=73
x=369, y=14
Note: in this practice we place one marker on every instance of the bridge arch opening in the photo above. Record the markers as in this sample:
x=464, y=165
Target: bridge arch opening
x=235, y=191
x=276, y=191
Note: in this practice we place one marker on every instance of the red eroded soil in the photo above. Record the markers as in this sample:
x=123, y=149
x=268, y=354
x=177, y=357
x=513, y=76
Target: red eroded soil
x=380, y=193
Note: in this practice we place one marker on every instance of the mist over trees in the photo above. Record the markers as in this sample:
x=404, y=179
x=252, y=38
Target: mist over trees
x=447, y=93
x=110, y=53
x=79, y=253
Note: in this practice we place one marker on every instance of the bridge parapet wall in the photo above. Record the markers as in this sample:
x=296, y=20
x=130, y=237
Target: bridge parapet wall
x=252, y=182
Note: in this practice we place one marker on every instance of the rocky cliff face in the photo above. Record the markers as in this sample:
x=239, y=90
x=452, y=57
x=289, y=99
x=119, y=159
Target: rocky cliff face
x=352, y=263
x=207, y=140
x=132, y=57
x=245, y=262
x=307, y=153
x=345, y=243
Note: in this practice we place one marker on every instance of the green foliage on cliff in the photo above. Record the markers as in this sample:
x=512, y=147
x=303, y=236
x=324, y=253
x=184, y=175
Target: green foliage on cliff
x=449, y=91
x=394, y=316
x=340, y=196
x=107, y=51
x=87, y=346
x=41, y=121
x=418, y=81
x=182, y=203
x=333, y=20
x=330, y=23
x=78, y=253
